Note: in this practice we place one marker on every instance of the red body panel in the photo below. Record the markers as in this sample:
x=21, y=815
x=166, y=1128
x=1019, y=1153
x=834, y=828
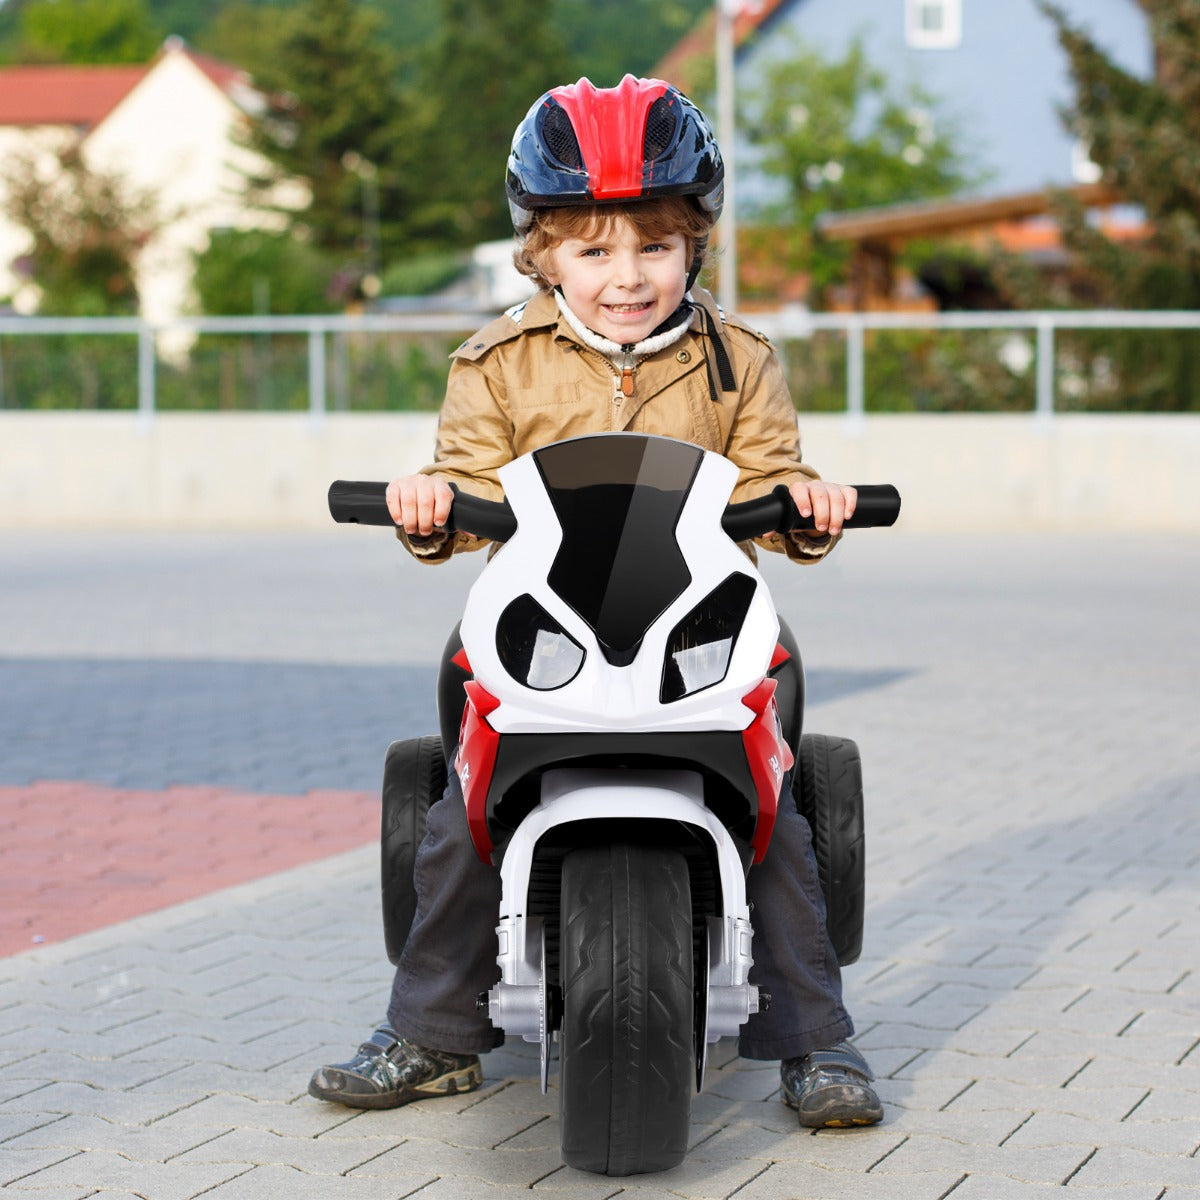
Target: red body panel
x=769, y=758
x=476, y=760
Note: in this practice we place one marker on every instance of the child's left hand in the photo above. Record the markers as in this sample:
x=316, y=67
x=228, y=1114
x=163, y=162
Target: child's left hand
x=829, y=504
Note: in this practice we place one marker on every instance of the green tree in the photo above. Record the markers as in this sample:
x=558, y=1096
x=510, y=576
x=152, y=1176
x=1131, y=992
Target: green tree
x=336, y=123
x=607, y=38
x=488, y=63
x=838, y=135
x=244, y=34
x=254, y=271
x=1144, y=134
x=86, y=227
x=86, y=31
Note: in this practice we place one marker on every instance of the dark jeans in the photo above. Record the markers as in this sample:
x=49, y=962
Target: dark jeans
x=450, y=955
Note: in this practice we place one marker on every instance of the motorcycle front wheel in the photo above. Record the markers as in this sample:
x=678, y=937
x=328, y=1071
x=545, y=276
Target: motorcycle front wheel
x=626, y=1042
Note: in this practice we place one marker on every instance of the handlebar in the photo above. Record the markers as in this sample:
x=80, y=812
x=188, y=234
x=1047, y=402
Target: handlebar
x=366, y=504
x=878, y=505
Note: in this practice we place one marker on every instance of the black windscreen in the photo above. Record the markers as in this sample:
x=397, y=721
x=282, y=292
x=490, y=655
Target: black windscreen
x=618, y=499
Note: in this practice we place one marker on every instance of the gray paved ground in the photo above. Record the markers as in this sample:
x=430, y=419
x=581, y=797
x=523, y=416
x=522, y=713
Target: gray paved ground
x=1030, y=988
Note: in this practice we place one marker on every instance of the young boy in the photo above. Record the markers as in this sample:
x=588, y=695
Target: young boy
x=613, y=194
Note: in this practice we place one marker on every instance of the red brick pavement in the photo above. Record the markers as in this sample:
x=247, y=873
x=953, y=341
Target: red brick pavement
x=78, y=856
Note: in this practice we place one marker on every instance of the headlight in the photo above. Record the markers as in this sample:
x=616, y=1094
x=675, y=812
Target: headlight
x=701, y=645
x=534, y=648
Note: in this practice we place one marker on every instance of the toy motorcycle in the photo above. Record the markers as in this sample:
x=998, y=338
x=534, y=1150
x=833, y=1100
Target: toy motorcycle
x=622, y=754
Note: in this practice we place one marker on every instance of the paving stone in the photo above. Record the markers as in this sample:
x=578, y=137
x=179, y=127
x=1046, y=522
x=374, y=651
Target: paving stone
x=140, y=1143
x=995, y=1187
x=477, y=1127
x=1179, y=1137
x=559, y=1184
x=320, y=1156
x=922, y=1152
x=857, y=1149
x=17, y=1165
x=1164, y=1104
x=96, y=1073
x=107, y=1169
x=1043, y=1070
x=782, y=1181
x=255, y=1183
x=1122, y=1165
x=226, y=1111
x=1106, y=1103
x=757, y=1084
x=122, y=1107
x=429, y=1158
x=41, y=1193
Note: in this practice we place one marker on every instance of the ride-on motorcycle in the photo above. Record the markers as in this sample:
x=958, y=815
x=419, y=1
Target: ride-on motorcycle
x=622, y=755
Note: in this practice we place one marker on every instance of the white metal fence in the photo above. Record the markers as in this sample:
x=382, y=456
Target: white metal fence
x=782, y=326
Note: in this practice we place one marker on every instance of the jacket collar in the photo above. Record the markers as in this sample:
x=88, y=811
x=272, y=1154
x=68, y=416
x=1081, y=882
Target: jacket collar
x=617, y=351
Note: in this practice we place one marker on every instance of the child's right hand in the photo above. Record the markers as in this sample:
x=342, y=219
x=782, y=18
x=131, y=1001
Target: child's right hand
x=419, y=503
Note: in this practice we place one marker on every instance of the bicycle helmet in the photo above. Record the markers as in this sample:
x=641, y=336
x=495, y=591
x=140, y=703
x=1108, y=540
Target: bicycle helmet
x=580, y=144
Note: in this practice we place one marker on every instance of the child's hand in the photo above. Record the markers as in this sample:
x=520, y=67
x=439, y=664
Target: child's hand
x=829, y=504
x=419, y=503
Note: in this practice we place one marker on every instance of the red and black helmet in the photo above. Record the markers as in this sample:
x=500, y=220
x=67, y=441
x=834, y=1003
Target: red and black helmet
x=581, y=144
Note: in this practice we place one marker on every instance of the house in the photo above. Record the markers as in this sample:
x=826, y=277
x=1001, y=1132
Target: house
x=995, y=66
x=995, y=70
x=168, y=127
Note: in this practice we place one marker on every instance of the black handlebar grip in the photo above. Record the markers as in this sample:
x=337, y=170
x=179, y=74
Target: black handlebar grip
x=360, y=503
x=878, y=505
x=356, y=503
x=493, y=519
x=753, y=518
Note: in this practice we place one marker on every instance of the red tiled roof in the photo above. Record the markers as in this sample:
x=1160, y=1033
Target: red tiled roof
x=84, y=95
x=680, y=63
x=64, y=95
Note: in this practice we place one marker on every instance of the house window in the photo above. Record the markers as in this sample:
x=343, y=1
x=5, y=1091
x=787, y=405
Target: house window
x=933, y=24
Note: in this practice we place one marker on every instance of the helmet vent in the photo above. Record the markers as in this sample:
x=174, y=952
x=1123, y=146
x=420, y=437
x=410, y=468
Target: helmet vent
x=560, y=137
x=661, y=123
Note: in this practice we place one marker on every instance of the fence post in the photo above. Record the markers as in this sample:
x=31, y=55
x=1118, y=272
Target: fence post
x=147, y=375
x=316, y=375
x=1045, y=366
x=855, y=372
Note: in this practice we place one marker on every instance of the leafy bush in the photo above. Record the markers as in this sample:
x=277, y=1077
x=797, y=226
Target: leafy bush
x=255, y=271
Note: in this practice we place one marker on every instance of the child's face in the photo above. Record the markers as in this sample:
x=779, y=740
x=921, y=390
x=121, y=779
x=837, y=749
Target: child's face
x=618, y=285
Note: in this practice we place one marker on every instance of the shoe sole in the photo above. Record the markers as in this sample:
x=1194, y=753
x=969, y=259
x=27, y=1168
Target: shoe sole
x=453, y=1083
x=837, y=1112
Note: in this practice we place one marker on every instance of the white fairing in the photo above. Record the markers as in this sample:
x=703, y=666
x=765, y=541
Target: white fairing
x=602, y=697
x=606, y=698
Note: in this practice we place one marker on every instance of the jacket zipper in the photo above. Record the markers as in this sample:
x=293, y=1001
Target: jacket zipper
x=623, y=380
x=628, y=366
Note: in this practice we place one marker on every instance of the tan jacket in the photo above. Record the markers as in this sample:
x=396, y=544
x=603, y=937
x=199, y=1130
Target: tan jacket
x=526, y=379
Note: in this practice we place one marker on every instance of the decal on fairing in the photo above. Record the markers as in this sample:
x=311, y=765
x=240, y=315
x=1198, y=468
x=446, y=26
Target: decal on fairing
x=476, y=760
x=769, y=758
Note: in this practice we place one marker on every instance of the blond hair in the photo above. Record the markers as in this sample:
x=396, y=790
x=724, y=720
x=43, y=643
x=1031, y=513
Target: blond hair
x=654, y=220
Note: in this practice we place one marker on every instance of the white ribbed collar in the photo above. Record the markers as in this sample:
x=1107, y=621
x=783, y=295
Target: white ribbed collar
x=614, y=351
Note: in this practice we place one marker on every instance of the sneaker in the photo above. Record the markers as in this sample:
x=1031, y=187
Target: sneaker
x=831, y=1089
x=388, y=1071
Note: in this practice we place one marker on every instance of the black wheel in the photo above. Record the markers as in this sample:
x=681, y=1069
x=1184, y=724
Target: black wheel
x=414, y=776
x=626, y=1044
x=828, y=789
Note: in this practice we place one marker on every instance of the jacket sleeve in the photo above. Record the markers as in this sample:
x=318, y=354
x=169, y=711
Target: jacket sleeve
x=764, y=442
x=474, y=439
